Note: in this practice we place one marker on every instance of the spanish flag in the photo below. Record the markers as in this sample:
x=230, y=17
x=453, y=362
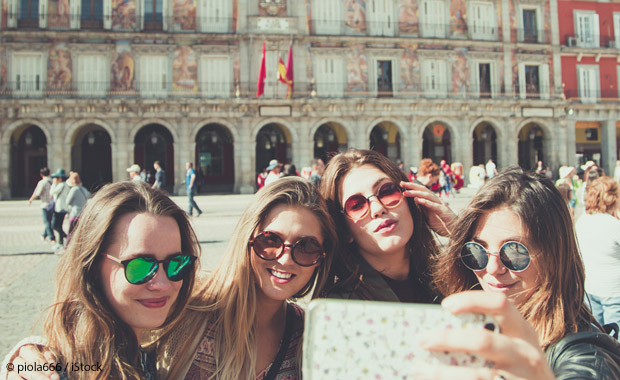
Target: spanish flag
x=260, y=85
x=285, y=73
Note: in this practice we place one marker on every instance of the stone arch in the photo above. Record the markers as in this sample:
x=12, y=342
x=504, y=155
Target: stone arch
x=143, y=123
x=12, y=127
x=75, y=127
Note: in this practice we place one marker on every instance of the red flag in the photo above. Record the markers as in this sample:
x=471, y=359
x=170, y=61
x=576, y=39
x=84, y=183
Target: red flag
x=285, y=75
x=260, y=85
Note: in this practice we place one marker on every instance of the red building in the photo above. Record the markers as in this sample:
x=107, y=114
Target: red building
x=589, y=33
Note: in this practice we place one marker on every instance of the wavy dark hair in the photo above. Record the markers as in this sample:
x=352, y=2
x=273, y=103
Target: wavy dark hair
x=344, y=273
x=556, y=306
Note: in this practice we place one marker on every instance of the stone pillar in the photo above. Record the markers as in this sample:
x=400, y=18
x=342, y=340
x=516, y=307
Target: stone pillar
x=609, y=153
x=181, y=157
x=466, y=155
x=55, y=157
x=510, y=144
x=244, y=181
x=571, y=143
x=304, y=149
x=122, y=152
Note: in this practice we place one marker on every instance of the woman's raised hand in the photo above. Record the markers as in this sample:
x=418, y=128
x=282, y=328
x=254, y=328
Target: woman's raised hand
x=440, y=216
x=32, y=356
x=515, y=350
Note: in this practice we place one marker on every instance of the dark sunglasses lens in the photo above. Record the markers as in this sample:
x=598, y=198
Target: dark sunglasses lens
x=389, y=195
x=179, y=266
x=140, y=270
x=307, y=251
x=514, y=256
x=474, y=256
x=356, y=206
x=267, y=245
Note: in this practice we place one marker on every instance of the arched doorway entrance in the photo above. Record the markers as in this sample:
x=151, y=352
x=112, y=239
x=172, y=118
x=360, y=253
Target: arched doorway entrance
x=329, y=140
x=28, y=156
x=588, y=142
x=385, y=139
x=531, y=138
x=272, y=142
x=155, y=143
x=437, y=143
x=215, y=162
x=91, y=156
x=484, y=144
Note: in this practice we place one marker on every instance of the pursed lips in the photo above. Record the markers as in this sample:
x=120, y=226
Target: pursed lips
x=385, y=223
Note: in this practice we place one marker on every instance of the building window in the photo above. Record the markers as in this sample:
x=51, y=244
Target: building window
x=380, y=19
x=27, y=74
x=533, y=81
x=384, y=79
x=92, y=14
x=483, y=81
x=616, y=43
x=92, y=75
x=215, y=74
x=329, y=77
x=28, y=14
x=483, y=21
x=434, y=78
x=433, y=19
x=153, y=76
x=153, y=15
x=589, y=84
x=215, y=16
x=327, y=16
x=587, y=29
x=531, y=23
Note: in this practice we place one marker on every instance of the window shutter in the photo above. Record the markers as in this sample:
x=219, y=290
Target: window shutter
x=544, y=81
x=74, y=5
x=141, y=14
x=12, y=19
x=165, y=14
x=522, y=80
x=596, y=38
x=107, y=14
x=43, y=14
x=475, y=80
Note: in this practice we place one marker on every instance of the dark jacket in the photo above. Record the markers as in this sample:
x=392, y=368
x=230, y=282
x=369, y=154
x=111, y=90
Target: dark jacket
x=585, y=355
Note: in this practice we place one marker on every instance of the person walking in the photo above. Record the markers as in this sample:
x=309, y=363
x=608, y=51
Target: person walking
x=78, y=195
x=491, y=169
x=42, y=191
x=190, y=186
x=134, y=173
x=60, y=191
x=160, y=176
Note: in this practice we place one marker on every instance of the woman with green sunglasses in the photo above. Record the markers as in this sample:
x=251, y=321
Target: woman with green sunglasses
x=129, y=269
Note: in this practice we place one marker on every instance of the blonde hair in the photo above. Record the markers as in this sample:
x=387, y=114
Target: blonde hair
x=602, y=196
x=345, y=269
x=229, y=295
x=556, y=306
x=81, y=325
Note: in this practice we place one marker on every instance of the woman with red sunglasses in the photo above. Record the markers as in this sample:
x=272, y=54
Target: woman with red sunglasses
x=241, y=323
x=386, y=238
x=516, y=242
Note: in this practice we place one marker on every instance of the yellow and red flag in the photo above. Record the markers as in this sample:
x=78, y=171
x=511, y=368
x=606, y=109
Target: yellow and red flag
x=285, y=73
x=262, y=74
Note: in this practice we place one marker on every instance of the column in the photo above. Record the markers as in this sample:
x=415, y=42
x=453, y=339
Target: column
x=122, y=152
x=244, y=171
x=609, y=153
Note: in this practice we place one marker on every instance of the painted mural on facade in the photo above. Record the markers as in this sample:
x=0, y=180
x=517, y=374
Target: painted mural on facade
x=357, y=69
x=123, y=14
x=236, y=68
x=3, y=70
x=355, y=16
x=122, y=68
x=184, y=70
x=408, y=17
x=184, y=12
x=58, y=14
x=59, y=68
x=4, y=14
x=458, y=18
x=410, y=68
x=275, y=8
x=460, y=72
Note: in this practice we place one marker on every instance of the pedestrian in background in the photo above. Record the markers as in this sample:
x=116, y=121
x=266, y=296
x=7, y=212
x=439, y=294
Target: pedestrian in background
x=318, y=167
x=134, y=173
x=60, y=191
x=273, y=172
x=190, y=186
x=42, y=191
x=78, y=195
x=160, y=176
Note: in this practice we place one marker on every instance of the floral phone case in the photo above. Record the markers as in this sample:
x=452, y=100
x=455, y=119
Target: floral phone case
x=378, y=340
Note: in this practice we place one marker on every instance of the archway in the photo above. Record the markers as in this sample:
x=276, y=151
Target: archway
x=329, y=139
x=531, y=138
x=215, y=162
x=484, y=144
x=28, y=156
x=385, y=139
x=153, y=143
x=437, y=143
x=272, y=142
x=91, y=156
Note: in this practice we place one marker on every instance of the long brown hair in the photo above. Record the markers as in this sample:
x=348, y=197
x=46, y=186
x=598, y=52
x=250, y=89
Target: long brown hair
x=228, y=298
x=556, y=306
x=81, y=326
x=345, y=268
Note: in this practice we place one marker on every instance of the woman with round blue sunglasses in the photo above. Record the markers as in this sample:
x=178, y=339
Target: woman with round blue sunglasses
x=516, y=242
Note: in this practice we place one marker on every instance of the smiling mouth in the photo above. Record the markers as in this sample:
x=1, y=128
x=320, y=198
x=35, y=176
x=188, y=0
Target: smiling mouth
x=154, y=303
x=280, y=275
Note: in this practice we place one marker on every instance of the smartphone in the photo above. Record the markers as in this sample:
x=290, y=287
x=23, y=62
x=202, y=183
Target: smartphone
x=350, y=339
